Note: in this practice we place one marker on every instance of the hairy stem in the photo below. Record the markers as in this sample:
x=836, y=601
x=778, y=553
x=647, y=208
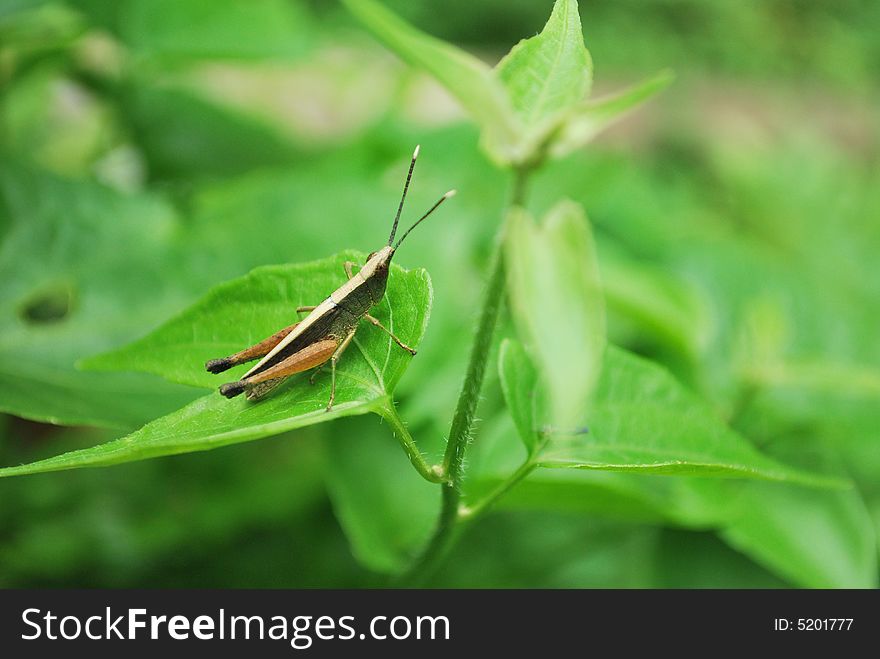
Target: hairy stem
x=447, y=529
x=426, y=471
x=459, y=434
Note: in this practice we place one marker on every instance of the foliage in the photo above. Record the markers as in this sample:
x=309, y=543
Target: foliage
x=553, y=274
x=689, y=376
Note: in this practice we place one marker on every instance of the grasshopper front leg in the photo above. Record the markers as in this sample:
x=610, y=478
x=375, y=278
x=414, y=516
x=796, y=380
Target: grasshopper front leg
x=376, y=322
x=347, y=266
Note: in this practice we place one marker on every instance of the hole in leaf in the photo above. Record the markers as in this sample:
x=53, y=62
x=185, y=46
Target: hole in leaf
x=50, y=305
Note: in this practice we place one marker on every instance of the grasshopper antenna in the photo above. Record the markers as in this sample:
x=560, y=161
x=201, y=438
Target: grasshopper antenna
x=412, y=165
x=449, y=194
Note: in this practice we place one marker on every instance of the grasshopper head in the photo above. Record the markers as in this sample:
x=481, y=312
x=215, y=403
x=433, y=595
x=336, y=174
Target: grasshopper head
x=375, y=271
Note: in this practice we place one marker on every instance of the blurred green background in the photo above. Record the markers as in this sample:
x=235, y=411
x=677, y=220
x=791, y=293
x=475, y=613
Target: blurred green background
x=152, y=148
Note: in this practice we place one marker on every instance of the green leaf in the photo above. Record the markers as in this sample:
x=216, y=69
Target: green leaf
x=758, y=518
x=75, y=261
x=237, y=314
x=208, y=423
x=385, y=508
x=469, y=80
x=614, y=495
x=642, y=420
x=244, y=311
x=557, y=304
x=58, y=393
x=680, y=500
x=518, y=379
x=594, y=116
x=816, y=538
x=547, y=75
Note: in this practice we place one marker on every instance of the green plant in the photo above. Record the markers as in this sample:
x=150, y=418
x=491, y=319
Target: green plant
x=577, y=404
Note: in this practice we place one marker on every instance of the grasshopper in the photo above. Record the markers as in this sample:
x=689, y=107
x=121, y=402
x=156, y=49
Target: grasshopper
x=328, y=329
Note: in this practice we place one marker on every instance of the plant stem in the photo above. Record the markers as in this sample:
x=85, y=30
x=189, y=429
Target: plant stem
x=472, y=512
x=520, y=181
x=426, y=471
x=447, y=529
x=459, y=434
x=469, y=397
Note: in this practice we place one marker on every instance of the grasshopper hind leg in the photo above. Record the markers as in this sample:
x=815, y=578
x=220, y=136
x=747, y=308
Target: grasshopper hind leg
x=233, y=389
x=260, y=384
x=333, y=359
x=253, y=391
x=256, y=351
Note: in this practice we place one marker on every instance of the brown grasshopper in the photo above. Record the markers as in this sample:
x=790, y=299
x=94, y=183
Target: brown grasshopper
x=329, y=328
